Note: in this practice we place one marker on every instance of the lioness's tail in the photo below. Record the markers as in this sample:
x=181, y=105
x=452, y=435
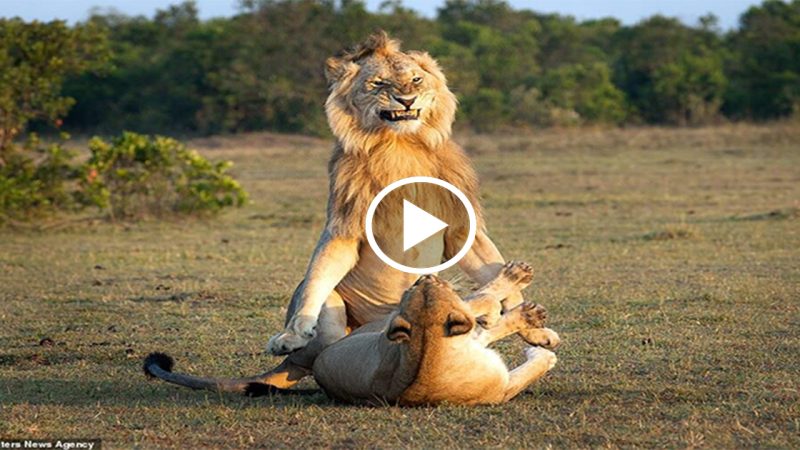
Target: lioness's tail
x=159, y=365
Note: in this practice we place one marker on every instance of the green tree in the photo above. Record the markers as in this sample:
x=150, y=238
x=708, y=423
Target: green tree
x=672, y=73
x=491, y=50
x=486, y=109
x=587, y=90
x=765, y=67
x=261, y=69
x=162, y=73
x=575, y=86
x=565, y=41
x=35, y=58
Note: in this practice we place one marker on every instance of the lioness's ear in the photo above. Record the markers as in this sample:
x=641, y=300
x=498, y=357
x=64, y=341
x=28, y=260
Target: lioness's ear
x=338, y=68
x=399, y=330
x=457, y=324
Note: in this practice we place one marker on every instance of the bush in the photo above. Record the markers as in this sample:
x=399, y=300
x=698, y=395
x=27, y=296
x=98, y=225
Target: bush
x=136, y=176
x=38, y=180
x=132, y=177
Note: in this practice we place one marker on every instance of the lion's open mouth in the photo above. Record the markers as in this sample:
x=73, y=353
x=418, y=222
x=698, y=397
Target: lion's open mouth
x=397, y=115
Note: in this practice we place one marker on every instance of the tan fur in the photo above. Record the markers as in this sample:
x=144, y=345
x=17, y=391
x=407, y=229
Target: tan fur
x=429, y=351
x=346, y=283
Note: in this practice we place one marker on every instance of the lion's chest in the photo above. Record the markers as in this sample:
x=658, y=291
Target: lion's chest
x=373, y=288
x=389, y=221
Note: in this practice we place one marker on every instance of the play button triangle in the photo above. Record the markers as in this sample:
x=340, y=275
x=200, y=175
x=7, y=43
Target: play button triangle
x=418, y=225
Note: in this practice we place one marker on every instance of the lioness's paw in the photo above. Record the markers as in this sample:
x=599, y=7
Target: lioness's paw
x=541, y=354
x=490, y=319
x=542, y=337
x=534, y=314
x=285, y=343
x=518, y=273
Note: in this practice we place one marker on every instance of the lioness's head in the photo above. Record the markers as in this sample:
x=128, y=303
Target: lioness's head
x=379, y=91
x=430, y=309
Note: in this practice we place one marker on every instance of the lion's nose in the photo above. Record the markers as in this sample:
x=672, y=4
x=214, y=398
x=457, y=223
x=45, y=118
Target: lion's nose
x=405, y=101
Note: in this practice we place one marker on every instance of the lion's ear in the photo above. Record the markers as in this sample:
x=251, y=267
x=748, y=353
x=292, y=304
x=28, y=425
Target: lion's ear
x=458, y=323
x=399, y=330
x=428, y=64
x=337, y=69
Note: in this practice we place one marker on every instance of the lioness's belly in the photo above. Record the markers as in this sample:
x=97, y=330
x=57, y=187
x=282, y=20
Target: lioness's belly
x=373, y=289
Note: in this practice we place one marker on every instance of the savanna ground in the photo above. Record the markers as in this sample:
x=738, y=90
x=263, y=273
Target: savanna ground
x=669, y=261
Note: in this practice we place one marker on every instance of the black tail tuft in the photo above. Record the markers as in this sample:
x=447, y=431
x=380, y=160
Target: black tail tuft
x=160, y=360
x=263, y=389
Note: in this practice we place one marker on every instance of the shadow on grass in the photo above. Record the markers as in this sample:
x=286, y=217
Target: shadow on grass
x=139, y=393
x=146, y=393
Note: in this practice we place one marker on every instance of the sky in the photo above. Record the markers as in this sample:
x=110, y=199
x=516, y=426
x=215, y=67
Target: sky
x=628, y=11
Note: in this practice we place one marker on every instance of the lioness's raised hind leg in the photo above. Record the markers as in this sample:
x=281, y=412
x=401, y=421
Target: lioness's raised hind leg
x=541, y=337
x=539, y=362
x=486, y=302
x=525, y=317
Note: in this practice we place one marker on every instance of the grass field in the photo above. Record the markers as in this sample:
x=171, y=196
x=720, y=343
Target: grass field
x=669, y=261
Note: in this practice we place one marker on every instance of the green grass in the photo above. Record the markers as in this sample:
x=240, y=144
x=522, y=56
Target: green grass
x=669, y=261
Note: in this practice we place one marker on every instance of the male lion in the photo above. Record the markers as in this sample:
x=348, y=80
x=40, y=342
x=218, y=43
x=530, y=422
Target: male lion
x=429, y=351
x=391, y=113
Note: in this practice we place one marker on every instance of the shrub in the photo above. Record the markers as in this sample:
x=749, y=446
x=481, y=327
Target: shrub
x=136, y=176
x=37, y=180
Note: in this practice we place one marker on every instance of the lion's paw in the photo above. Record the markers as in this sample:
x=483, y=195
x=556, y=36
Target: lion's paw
x=518, y=273
x=285, y=343
x=541, y=337
x=541, y=354
x=304, y=326
x=300, y=331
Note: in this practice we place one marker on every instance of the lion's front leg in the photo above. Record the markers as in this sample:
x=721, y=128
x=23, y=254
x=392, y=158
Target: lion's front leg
x=332, y=261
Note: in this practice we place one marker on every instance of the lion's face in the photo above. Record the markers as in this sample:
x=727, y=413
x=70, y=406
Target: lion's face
x=379, y=89
x=394, y=92
x=430, y=309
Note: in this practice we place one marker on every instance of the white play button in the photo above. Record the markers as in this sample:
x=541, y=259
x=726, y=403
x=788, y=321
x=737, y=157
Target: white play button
x=430, y=205
x=418, y=225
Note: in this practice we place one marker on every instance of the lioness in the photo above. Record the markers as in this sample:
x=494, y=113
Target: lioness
x=391, y=113
x=428, y=352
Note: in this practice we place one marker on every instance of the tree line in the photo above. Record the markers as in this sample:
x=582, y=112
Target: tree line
x=262, y=68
